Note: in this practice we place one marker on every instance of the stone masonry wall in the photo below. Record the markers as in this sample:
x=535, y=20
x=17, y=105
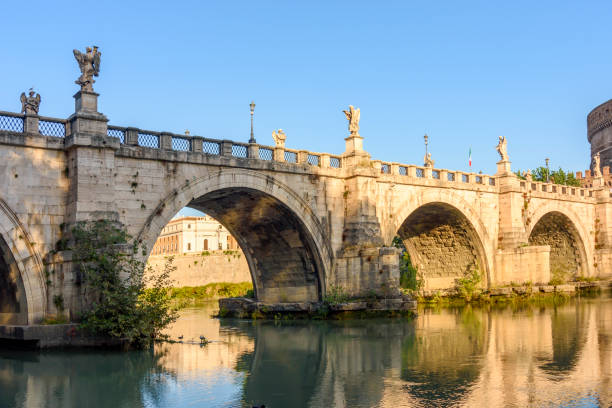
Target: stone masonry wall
x=441, y=245
x=200, y=270
x=555, y=230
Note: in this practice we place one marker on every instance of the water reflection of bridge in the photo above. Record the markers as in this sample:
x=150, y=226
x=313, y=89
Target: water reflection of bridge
x=503, y=358
x=471, y=357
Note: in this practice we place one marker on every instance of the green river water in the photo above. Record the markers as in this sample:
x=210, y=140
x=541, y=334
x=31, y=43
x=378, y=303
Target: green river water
x=474, y=357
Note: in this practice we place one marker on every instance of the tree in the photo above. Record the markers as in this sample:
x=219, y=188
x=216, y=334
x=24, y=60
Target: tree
x=556, y=176
x=124, y=298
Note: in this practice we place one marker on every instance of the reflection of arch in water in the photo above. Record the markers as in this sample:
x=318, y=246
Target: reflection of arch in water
x=441, y=363
x=569, y=335
x=283, y=241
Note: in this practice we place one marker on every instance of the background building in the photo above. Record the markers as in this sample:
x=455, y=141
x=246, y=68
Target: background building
x=204, y=252
x=185, y=235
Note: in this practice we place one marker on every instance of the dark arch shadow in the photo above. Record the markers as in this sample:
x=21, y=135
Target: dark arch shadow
x=443, y=244
x=282, y=257
x=567, y=254
x=13, y=304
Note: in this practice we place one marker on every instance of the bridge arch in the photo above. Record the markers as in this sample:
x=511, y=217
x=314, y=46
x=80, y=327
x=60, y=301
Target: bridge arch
x=453, y=231
x=282, y=239
x=23, y=278
x=556, y=225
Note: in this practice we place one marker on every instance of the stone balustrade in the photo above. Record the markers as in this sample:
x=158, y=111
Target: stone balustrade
x=129, y=136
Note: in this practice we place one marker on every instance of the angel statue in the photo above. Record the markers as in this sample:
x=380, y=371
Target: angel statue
x=353, y=117
x=428, y=160
x=279, y=138
x=528, y=176
x=502, y=148
x=30, y=103
x=89, y=63
x=597, y=166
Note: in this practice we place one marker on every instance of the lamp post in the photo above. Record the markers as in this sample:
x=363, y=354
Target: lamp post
x=547, y=170
x=426, y=141
x=252, y=106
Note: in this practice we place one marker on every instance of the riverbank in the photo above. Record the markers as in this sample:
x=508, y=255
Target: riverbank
x=245, y=308
x=512, y=293
x=187, y=296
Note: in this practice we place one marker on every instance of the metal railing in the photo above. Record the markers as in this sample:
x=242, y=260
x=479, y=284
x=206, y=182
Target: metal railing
x=11, y=122
x=52, y=127
x=266, y=153
x=117, y=132
x=240, y=150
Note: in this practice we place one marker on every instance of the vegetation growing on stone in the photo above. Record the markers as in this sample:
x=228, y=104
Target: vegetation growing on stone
x=409, y=276
x=124, y=299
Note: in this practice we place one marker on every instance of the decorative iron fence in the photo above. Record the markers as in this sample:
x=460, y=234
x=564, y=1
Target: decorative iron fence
x=211, y=147
x=239, y=150
x=116, y=132
x=385, y=169
x=181, y=144
x=11, y=123
x=148, y=140
x=52, y=128
x=265, y=153
x=314, y=160
x=291, y=157
x=334, y=162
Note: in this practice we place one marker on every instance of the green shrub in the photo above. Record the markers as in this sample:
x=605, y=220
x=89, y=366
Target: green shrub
x=335, y=295
x=468, y=285
x=123, y=301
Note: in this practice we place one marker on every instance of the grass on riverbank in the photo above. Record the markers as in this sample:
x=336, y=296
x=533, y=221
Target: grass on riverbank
x=187, y=295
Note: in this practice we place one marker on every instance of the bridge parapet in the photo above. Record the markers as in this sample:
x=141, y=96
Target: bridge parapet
x=557, y=191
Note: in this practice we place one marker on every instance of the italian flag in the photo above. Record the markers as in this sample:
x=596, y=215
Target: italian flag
x=470, y=157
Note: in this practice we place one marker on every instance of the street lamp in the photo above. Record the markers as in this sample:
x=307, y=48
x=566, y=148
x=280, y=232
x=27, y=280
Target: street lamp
x=547, y=170
x=426, y=141
x=252, y=106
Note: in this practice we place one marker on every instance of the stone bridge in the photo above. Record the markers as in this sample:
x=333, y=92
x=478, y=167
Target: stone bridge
x=307, y=222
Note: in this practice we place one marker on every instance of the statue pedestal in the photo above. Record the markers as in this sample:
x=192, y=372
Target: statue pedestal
x=598, y=182
x=503, y=168
x=85, y=101
x=30, y=123
x=354, y=155
x=354, y=143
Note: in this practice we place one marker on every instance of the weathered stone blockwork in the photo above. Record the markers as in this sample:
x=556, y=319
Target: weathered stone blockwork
x=305, y=221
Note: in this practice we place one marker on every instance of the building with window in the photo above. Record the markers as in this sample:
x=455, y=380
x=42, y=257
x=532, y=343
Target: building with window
x=185, y=235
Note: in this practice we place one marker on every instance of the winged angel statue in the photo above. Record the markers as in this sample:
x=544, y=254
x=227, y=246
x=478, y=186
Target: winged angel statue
x=502, y=148
x=353, y=117
x=89, y=63
x=30, y=103
x=279, y=137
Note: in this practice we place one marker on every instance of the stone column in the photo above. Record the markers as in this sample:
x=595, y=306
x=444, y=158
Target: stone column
x=131, y=136
x=196, y=144
x=30, y=124
x=325, y=160
x=302, y=157
x=165, y=141
x=279, y=154
x=253, y=151
x=226, y=147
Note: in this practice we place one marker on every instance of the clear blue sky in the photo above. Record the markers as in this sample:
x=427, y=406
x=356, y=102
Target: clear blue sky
x=463, y=72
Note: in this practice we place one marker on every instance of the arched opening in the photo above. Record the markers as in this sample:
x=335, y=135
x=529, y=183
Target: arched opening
x=279, y=251
x=566, y=249
x=443, y=245
x=13, y=304
x=282, y=258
